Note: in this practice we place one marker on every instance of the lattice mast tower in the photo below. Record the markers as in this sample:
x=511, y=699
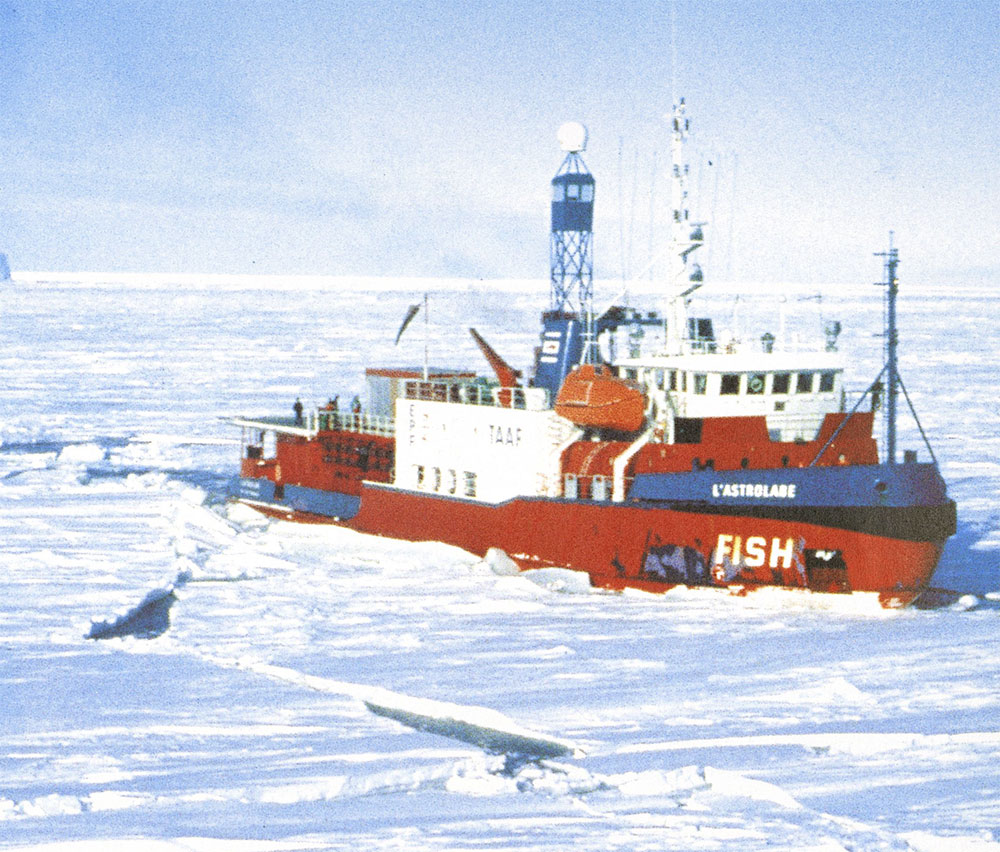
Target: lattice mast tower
x=571, y=257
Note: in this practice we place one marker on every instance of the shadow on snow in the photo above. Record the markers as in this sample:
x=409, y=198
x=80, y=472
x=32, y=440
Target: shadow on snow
x=151, y=618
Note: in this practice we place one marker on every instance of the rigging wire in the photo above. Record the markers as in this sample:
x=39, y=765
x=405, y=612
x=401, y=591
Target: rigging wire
x=621, y=209
x=732, y=218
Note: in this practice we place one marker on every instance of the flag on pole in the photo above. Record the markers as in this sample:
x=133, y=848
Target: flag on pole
x=411, y=312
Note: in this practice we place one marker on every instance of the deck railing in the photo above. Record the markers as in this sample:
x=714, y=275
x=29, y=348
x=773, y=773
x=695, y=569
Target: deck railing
x=363, y=423
x=532, y=399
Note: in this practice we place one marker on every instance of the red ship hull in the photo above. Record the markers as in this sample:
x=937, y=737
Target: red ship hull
x=628, y=546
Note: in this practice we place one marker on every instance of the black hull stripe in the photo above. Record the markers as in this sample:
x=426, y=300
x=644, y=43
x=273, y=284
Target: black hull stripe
x=907, y=523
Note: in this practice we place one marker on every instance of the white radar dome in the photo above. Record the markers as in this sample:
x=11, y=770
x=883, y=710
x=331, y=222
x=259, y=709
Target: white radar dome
x=572, y=137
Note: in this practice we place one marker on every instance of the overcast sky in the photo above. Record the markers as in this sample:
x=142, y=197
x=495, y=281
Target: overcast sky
x=418, y=138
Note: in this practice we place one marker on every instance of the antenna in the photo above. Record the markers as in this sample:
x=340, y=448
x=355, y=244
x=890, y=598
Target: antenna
x=426, y=337
x=732, y=218
x=621, y=209
x=673, y=51
x=889, y=369
x=686, y=236
x=891, y=284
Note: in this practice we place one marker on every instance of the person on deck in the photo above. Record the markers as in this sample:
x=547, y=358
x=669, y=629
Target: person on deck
x=297, y=408
x=331, y=406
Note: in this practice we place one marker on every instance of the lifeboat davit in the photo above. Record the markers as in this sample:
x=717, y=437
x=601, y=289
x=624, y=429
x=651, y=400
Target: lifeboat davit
x=591, y=395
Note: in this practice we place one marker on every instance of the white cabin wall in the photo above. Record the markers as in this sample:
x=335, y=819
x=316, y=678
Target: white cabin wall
x=510, y=451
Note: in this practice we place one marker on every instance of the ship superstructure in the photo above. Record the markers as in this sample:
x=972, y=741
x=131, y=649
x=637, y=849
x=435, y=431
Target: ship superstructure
x=701, y=461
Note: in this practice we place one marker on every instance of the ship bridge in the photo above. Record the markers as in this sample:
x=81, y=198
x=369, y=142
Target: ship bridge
x=792, y=390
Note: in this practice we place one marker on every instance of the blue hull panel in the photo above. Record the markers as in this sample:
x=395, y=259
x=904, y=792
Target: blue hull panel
x=902, y=485
x=330, y=504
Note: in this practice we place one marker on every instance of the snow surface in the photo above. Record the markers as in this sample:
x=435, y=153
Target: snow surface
x=695, y=720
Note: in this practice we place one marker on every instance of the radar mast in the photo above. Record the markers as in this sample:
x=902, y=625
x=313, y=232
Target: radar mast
x=686, y=236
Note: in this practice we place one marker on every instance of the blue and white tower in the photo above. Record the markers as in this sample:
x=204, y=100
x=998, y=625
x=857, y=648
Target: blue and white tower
x=571, y=259
x=567, y=327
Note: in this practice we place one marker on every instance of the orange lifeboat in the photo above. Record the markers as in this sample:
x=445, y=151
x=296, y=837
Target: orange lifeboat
x=591, y=395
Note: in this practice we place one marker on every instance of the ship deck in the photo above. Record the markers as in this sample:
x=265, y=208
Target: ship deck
x=313, y=422
x=289, y=425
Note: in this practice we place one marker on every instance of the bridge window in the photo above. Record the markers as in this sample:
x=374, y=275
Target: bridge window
x=420, y=476
x=700, y=381
x=780, y=383
x=755, y=383
x=437, y=479
x=659, y=379
x=572, y=191
x=558, y=192
x=730, y=384
x=673, y=380
x=826, y=382
x=687, y=430
x=587, y=192
x=804, y=383
x=470, y=483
